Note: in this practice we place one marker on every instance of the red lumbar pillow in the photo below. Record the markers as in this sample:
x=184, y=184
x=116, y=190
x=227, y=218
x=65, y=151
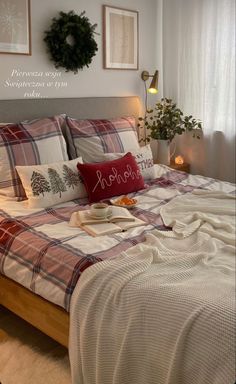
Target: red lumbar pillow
x=111, y=178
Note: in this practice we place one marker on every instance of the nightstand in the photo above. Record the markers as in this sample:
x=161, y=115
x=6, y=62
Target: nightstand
x=185, y=167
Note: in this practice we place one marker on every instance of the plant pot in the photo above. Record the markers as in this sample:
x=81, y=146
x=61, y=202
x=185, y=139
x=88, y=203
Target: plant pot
x=163, y=152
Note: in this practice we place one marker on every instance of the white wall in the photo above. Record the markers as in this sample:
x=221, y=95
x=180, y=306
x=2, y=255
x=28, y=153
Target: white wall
x=92, y=81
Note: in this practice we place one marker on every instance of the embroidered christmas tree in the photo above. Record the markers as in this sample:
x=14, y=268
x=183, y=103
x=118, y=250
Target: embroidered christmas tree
x=39, y=184
x=57, y=184
x=71, y=178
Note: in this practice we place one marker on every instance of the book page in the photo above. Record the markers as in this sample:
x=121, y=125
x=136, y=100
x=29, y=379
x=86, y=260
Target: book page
x=136, y=223
x=121, y=213
x=101, y=229
x=117, y=214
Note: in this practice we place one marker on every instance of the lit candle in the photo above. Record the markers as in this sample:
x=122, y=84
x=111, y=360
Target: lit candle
x=179, y=160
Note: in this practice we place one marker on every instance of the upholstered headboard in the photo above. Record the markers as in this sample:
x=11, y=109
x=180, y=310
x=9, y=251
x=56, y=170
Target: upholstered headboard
x=86, y=107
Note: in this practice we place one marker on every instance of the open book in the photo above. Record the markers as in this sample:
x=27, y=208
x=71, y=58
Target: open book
x=115, y=214
x=119, y=220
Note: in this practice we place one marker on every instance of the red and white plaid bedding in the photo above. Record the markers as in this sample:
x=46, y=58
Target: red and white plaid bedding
x=28, y=143
x=40, y=251
x=90, y=138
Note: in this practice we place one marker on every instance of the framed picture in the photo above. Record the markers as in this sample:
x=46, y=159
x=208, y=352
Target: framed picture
x=120, y=38
x=15, y=27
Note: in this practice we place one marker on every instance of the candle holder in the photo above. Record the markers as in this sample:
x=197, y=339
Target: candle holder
x=179, y=160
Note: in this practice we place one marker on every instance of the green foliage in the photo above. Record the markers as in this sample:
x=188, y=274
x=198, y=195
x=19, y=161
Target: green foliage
x=71, y=56
x=166, y=120
x=39, y=184
x=71, y=178
x=56, y=182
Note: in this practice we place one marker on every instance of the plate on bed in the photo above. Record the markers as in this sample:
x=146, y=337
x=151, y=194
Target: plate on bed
x=124, y=202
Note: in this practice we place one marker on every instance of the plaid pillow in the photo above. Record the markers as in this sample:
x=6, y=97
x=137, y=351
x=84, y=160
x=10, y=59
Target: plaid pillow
x=90, y=138
x=28, y=143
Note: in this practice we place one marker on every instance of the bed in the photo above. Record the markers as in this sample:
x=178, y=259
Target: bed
x=55, y=320
x=45, y=298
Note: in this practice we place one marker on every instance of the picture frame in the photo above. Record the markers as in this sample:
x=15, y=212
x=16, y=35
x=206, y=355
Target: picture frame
x=15, y=31
x=120, y=38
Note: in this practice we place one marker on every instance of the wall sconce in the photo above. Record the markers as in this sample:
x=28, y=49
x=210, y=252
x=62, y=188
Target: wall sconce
x=151, y=89
x=154, y=83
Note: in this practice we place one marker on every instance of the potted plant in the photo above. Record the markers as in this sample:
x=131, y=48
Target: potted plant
x=165, y=121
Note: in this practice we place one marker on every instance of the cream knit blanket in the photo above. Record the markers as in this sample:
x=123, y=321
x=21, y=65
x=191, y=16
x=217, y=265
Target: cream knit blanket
x=162, y=312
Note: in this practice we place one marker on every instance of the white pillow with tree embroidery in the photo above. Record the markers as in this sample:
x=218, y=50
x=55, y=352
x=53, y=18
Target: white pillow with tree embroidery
x=50, y=184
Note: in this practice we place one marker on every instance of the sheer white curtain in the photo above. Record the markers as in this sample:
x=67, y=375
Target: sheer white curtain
x=199, y=73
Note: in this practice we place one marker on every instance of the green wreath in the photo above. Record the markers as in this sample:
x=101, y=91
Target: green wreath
x=70, y=41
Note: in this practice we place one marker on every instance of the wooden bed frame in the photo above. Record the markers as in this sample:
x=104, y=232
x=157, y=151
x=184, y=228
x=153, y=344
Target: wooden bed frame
x=44, y=315
x=47, y=317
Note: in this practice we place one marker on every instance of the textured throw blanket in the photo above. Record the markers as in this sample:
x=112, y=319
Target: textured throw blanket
x=163, y=312
x=209, y=211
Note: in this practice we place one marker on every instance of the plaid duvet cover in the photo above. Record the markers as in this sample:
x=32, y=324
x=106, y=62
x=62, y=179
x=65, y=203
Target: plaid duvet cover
x=40, y=251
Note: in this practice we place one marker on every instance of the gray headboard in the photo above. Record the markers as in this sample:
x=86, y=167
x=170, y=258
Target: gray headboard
x=86, y=107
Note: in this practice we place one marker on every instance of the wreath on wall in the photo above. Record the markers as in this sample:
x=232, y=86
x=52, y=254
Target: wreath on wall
x=70, y=41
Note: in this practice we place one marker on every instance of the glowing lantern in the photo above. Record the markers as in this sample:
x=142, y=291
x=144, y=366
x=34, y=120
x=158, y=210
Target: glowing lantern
x=179, y=160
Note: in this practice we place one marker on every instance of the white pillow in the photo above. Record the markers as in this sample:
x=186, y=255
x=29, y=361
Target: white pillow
x=49, y=184
x=143, y=157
